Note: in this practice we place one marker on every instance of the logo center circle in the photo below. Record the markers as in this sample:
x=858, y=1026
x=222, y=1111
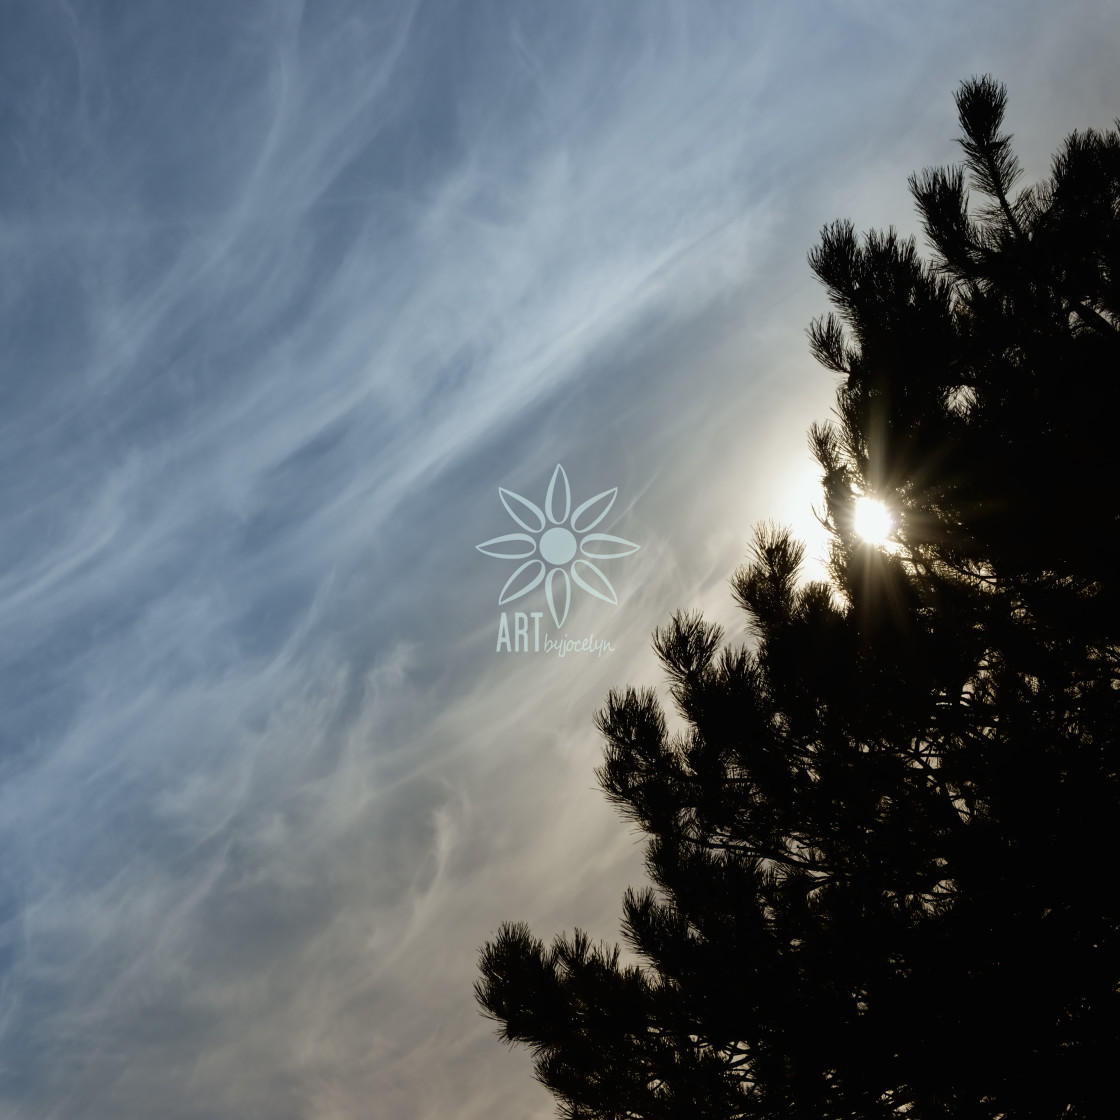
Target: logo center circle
x=558, y=546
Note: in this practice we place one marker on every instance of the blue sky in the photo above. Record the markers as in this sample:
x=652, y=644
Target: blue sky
x=289, y=291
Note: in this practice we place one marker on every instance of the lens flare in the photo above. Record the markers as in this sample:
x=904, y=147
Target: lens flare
x=872, y=520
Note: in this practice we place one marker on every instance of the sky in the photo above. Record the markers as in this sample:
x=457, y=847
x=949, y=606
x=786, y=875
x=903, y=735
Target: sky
x=299, y=304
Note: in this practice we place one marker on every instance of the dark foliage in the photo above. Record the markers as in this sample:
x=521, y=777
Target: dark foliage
x=883, y=849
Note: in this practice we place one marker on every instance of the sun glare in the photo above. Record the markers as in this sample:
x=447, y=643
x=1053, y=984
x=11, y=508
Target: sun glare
x=872, y=520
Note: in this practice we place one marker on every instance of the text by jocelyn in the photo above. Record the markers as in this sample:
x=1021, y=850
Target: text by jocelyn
x=519, y=639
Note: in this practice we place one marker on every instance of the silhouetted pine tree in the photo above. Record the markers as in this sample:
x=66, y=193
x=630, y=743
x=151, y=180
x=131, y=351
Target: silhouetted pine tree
x=883, y=851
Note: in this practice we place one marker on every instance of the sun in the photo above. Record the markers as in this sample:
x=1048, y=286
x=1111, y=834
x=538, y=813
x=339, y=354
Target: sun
x=872, y=520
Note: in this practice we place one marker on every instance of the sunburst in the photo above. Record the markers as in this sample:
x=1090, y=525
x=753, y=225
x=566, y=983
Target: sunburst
x=872, y=520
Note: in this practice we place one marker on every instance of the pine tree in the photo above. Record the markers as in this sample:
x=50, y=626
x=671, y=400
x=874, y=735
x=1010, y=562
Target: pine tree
x=881, y=851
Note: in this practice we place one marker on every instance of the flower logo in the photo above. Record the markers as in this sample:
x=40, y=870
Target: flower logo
x=553, y=538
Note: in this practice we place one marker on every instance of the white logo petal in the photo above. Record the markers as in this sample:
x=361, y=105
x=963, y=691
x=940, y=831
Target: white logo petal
x=558, y=615
x=603, y=591
x=527, y=546
x=607, y=498
x=621, y=547
x=558, y=475
x=512, y=591
x=526, y=506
